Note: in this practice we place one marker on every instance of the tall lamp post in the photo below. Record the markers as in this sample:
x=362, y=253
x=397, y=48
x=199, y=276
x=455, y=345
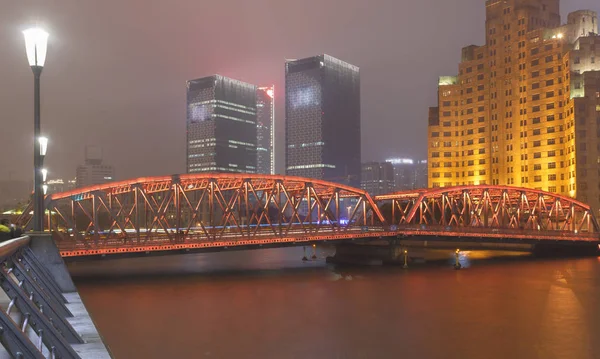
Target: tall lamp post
x=36, y=41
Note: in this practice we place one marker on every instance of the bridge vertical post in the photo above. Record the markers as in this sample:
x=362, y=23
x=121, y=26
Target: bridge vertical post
x=486, y=204
x=137, y=212
x=95, y=218
x=337, y=208
x=309, y=214
x=211, y=202
x=177, y=200
x=279, y=207
x=443, y=208
x=364, y=205
x=75, y=230
x=247, y=210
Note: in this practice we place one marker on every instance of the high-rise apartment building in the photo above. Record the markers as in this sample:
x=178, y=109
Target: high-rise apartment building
x=221, y=125
x=409, y=174
x=94, y=171
x=377, y=178
x=524, y=108
x=323, y=119
x=265, y=122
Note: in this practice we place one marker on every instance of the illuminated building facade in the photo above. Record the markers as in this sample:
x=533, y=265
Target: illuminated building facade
x=409, y=174
x=377, y=178
x=323, y=119
x=265, y=122
x=94, y=171
x=524, y=108
x=221, y=125
x=60, y=185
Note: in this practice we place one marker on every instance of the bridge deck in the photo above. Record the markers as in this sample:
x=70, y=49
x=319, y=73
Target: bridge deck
x=191, y=243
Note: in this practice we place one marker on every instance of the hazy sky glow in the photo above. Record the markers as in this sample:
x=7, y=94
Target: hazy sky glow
x=116, y=70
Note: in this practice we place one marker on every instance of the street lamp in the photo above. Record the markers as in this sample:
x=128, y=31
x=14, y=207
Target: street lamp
x=36, y=44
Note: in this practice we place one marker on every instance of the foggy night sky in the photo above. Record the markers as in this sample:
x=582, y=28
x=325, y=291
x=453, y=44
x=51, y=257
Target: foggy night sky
x=116, y=70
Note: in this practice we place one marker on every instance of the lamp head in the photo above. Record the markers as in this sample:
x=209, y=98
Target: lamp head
x=43, y=145
x=36, y=44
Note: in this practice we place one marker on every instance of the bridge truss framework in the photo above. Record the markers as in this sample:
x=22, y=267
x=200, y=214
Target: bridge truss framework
x=215, y=211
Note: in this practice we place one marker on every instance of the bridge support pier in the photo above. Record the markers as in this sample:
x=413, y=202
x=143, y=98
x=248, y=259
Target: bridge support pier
x=45, y=249
x=304, y=258
x=457, y=264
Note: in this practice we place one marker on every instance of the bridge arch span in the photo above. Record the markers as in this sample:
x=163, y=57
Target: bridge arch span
x=488, y=208
x=204, y=209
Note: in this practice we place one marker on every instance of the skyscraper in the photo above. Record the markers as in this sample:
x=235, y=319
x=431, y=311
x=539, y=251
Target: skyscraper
x=323, y=119
x=221, y=125
x=94, y=171
x=265, y=115
x=409, y=174
x=377, y=178
x=524, y=108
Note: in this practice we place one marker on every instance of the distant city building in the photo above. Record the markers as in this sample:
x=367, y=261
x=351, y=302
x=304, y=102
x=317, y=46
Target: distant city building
x=323, y=119
x=59, y=185
x=377, y=178
x=94, y=171
x=221, y=125
x=13, y=192
x=524, y=108
x=409, y=174
x=265, y=119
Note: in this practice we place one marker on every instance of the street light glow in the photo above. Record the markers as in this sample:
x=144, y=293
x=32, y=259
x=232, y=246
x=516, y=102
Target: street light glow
x=36, y=44
x=43, y=145
x=45, y=188
x=44, y=174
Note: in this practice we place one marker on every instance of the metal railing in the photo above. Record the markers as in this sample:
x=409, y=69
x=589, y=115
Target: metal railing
x=33, y=313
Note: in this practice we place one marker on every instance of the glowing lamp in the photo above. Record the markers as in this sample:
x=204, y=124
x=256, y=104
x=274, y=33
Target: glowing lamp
x=45, y=188
x=560, y=36
x=36, y=44
x=271, y=93
x=44, y=174
x=43, y=145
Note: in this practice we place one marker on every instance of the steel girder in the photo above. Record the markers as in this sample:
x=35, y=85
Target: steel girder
x=490, y=207
x=184, y=209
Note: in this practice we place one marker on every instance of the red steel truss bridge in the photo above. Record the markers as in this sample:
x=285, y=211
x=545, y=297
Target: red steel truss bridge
x=212, y=212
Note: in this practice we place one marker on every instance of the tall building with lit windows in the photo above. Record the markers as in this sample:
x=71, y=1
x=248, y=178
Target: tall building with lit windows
x=221, y=125
x=524, y=109
x=94, y=170
x=265, y=122
x=377, y=178
x=323, y=119
x=409, y=174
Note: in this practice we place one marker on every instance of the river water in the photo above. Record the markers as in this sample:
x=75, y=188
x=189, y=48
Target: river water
x=268, y=304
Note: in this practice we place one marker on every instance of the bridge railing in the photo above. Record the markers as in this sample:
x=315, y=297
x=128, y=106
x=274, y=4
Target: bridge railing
x=33, y=313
